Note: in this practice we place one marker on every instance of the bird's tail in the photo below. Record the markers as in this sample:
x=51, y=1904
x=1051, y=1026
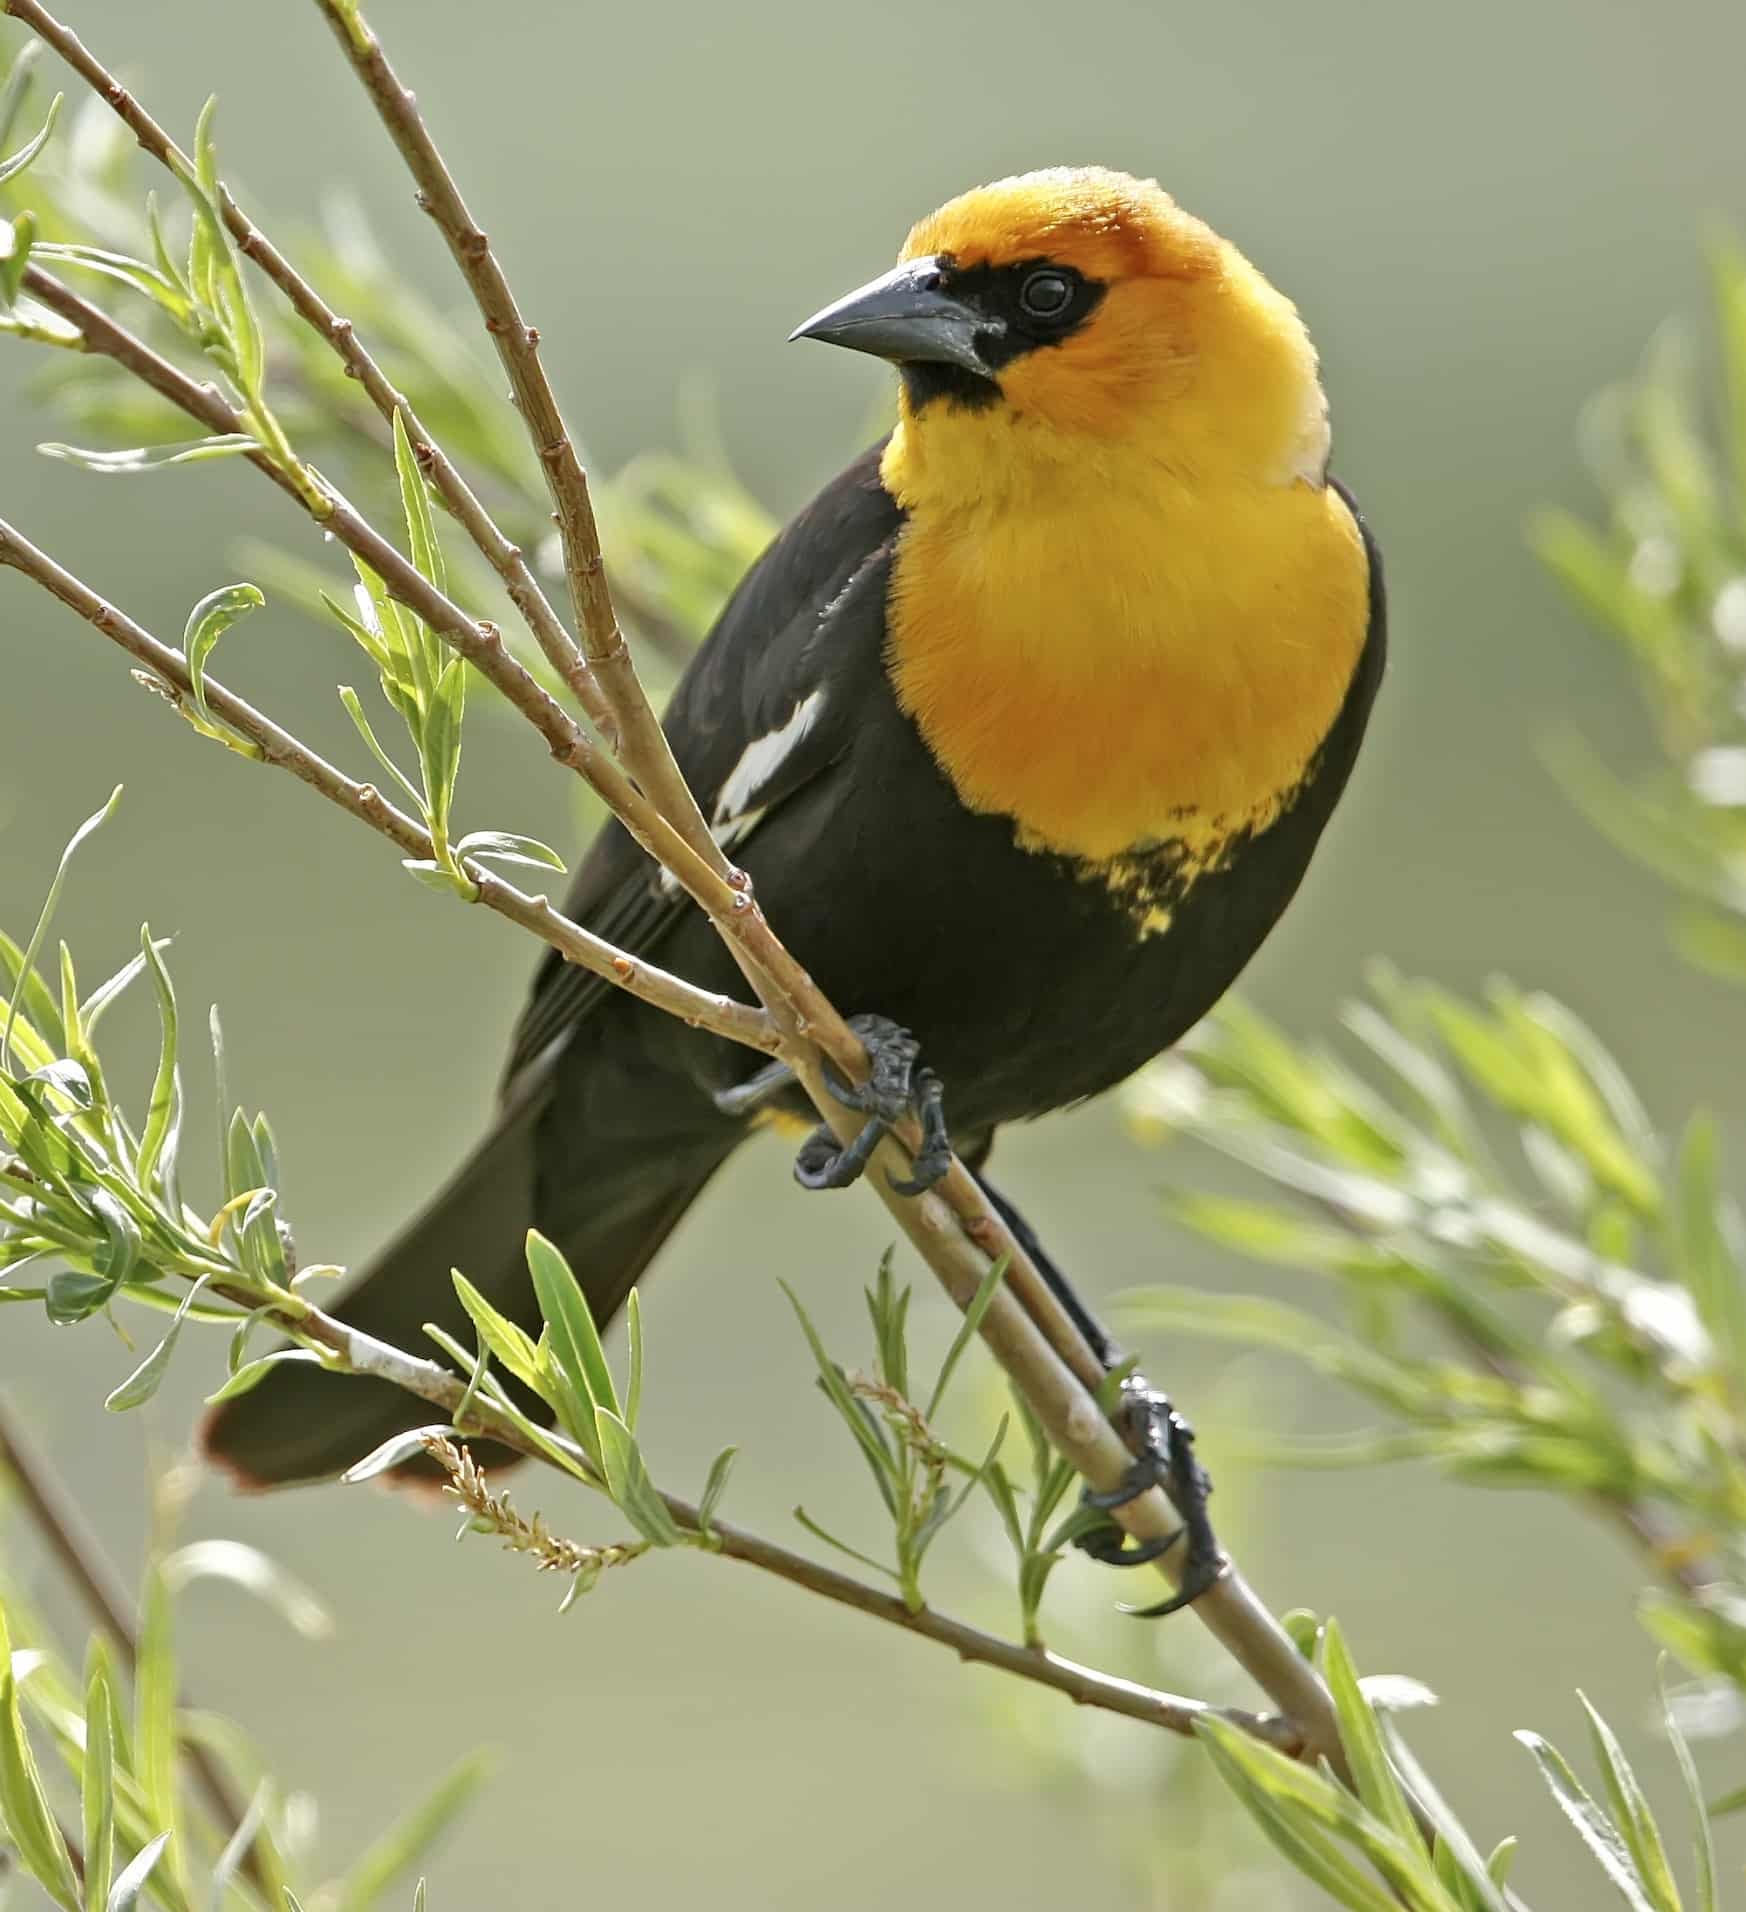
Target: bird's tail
x=301, y=1424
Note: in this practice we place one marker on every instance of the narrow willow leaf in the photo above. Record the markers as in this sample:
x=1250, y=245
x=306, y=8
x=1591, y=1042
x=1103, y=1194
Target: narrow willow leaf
x=440, y=744
x=158, y=1138
x=570, y=1323
x=842, y=1546
x=867, y=1435
x=154, y=1701
x=145, y=1380
x=256, y=1573
x=17, y=243
x=98, y=1778
x=355, y=711
x=162, y=291
x=421, y=533
x=147, y=458
x=253, y=1373
x=207, y=623
x=1503, y=1857
x=11, y=167
x=1371, y=1771
x=1593, y=1827
x=132, y=1881
x=394, y=1452
x=628, y=1482
x=1631, y=1813
x=633, y=1394
x=236, y=1849
x=24, y=1806
x=1705, y=1264
x=1297, y=1835
x=410, y=1839
x=715, y=1487
x=27, y=963
x=37, y=1007
x=504, y=846
x=1704, y=1843
x=980, y=1303
x=242, y=329
x=513, y=1347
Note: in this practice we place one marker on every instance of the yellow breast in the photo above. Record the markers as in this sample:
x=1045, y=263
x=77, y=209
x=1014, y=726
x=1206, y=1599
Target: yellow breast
x=1155, y=667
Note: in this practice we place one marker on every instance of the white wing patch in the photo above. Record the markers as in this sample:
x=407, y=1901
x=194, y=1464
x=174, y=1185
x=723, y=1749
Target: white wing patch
x=762, y=759
x=737, y=812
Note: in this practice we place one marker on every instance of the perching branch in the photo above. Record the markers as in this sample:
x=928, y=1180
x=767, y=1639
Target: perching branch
x=737, y=1021
x=954, y=1229
x=352, y=1351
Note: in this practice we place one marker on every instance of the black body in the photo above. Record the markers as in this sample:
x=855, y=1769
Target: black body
x=1025, y=982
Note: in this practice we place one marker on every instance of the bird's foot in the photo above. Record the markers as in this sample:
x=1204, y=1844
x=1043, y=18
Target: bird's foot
x=897, y=1085
x=1165, y=1459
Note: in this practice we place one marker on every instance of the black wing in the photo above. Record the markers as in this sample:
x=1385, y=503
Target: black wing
x=765, y=706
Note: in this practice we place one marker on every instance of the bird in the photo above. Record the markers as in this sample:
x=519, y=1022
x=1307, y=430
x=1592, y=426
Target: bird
x=1025, y=730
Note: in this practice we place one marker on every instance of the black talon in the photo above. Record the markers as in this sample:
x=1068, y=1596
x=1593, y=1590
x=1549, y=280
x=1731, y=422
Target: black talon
x=1166, y=1460
x=894, y=1088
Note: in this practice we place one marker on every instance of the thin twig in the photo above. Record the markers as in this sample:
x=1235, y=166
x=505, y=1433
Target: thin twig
x=719, y=1014
x=641, y=742
x=351, y=1349
x=505, y=558
x=81, y=1558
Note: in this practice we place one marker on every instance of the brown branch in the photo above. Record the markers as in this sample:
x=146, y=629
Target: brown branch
x=954, y=1229
x=641, y=742
x=81, y=1558
x=505, y=558
x=719, y=1014
x=360, y=1353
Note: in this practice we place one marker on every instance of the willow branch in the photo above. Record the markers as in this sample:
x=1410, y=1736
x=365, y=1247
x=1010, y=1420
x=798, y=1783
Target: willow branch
x=954, y=1229
x=719, y=1014
x=80, y=1557
x=358, y=1353
x=641, y=742
x=504, y=557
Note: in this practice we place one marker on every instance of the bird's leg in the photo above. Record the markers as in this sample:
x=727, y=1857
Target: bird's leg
x=1162, y=1440
x=896, y=1086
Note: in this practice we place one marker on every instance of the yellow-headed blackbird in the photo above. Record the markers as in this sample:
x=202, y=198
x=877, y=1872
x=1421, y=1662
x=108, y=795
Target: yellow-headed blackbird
x=1025, y=730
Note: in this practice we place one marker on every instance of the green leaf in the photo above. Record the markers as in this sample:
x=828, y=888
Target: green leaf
x=154, y=1698
x=207, y=623
x=633, y=1324
x=1631, y=1813
x=714, y=1488
x=355, y=711
x=1702, y=1256
x=161, y=290
x=159, y=1137
x=1371, y=1772
x=17, y=242
x=253, y=1572
x=145, y=1380
x=441, y=744
x=1296, y=1834
x=30, y=1824
x=628, y=1482
x=410, y=1838
x=230, y=298
x=11, y=167
x=394, y=1452
x=504, y=846
x=1688, y=1775
x=97, y=1781
x=575, y=1340
x=1593, y=1827
x=147, y=458
x=513, y=1348
x=980, y=1303
x=836, y=1391
x=253, y=1373
x=427, y=552
x=27, y=963
x=133, y=1880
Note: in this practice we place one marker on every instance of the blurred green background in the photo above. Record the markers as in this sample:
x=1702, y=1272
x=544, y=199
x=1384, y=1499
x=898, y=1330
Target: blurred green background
x=1483, y=216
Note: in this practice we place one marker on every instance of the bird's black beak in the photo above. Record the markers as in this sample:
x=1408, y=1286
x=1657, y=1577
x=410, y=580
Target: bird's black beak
x=908, y=317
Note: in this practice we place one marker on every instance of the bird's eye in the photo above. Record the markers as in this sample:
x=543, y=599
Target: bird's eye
x=1046, y=294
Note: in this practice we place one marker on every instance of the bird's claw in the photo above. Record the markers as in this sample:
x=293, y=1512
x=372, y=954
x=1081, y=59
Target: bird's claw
x=1165, y=1459
x=895, y=1087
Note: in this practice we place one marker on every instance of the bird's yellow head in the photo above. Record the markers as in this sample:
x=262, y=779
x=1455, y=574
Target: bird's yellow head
x=1077, y=318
